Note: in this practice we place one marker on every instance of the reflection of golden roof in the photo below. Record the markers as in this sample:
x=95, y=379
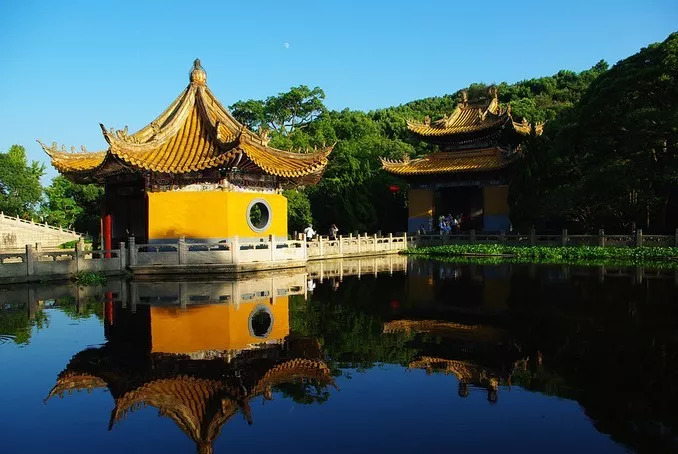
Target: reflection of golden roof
x=464, y=371
x=198, y=406
x=478, y=160
x=69, y=382
x=470, y=118
x=444, y=328
x=425, y=326
x=294, y=369
x=194, y=133
x=198, y=395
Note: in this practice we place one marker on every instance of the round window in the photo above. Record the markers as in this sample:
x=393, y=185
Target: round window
x=259, y=215
x=261, y=321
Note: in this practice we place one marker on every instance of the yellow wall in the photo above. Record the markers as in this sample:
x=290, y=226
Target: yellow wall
x=214, y=327
x=495, y=200
x=420, y=202
x=210, y=214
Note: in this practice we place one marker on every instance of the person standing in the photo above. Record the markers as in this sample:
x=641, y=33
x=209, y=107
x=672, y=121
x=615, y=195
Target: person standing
x=333, y=232
x=309, y=232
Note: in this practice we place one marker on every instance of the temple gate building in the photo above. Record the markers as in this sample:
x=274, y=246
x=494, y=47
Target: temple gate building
x=193, y=172
x=469, y=175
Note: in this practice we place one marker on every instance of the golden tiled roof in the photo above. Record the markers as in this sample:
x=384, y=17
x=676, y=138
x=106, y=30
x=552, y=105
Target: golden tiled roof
x=469, y=118
x=65, y=161
x=478, y=160
x=194, y=133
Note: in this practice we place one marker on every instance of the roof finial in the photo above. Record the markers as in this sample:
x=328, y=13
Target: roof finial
x=464, y=98
x=493, y=92
x=198, y=74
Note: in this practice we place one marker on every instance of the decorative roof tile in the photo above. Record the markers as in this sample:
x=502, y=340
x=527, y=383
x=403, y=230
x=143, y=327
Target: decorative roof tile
x=472, y=117
x=478, y=160
x=194, y=133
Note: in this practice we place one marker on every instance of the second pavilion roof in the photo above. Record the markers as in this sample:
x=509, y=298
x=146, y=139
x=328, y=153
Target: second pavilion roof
x=442, y=162
x=194, y=133
x=470, y=118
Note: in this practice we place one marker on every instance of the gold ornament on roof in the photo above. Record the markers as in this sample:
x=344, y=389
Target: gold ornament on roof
x=263, y=135
x=198, y=74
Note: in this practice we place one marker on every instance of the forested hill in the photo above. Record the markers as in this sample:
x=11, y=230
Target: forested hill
x=608, y=157
x=355, y=193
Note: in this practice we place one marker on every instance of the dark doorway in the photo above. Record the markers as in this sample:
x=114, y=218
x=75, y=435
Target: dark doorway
x=464, y=200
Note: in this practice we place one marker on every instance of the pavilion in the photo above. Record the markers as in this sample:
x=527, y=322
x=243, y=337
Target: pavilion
x=193, y=172
x=469, y=175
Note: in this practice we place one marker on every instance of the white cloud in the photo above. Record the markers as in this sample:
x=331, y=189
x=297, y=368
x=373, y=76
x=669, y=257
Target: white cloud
x=287, y=45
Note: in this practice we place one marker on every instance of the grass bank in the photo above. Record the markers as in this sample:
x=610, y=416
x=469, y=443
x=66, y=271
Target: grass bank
x=657, y=257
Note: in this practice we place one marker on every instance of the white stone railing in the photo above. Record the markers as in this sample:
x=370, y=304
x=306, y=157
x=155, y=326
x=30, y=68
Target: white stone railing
x=232, y=252
x=34, y=264
x=344, y=246
x=38, y=224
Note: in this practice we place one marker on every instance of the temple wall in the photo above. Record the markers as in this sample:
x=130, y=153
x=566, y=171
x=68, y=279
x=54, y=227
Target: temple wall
x=215, y=327
x=495, y=208
x=420, y=207
x=211, y=215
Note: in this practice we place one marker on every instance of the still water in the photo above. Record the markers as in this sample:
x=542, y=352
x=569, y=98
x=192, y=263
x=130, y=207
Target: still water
x=358, y=357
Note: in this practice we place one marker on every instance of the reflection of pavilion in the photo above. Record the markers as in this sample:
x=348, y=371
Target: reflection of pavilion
x=199, y=365
x=468, y=373
x=477, y=355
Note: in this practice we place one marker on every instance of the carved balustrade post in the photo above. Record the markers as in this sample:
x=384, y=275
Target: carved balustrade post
x=132, y=251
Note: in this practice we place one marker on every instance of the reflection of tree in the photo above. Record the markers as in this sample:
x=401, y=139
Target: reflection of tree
x=16, y=324
x=618, y=363
x=81, y=309
x=304, y=392
x=350, y=337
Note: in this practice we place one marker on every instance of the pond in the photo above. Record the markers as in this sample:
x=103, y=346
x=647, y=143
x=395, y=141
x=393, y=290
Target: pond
x=434, y=357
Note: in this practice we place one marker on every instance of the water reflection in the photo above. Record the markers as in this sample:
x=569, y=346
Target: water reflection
x=197, y=362
x=474, y=339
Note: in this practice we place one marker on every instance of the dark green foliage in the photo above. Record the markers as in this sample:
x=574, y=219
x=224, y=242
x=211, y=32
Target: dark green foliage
x=298, y=210
x=20, y=188
x=16, y=324
x=612, y=159
x=88, y=278
x=355, y=193
x=73, y=205
x=660, y=257
x=284, y=113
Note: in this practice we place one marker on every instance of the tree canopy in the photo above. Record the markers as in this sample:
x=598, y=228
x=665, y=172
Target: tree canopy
x=72, y=205
x=20, y=188
x=607, y=159
x=611, y=160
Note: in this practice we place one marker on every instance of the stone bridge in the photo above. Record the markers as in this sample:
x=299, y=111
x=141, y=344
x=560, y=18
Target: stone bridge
x=16, y=233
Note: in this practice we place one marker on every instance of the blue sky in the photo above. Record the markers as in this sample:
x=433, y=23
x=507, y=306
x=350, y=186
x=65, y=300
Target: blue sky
x=67, y=66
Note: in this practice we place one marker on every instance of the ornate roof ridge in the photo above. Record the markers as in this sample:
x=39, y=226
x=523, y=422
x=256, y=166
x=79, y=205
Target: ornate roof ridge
x=194, y=133
x=476, y=116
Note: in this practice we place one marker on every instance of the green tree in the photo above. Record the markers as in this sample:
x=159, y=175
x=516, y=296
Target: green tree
x=612, y=159
x=20, y=188
x=298, y=210
x=72, y=205
x=284, y=113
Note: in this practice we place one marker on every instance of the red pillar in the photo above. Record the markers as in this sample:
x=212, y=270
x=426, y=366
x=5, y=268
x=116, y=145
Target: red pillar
x=107, y=232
